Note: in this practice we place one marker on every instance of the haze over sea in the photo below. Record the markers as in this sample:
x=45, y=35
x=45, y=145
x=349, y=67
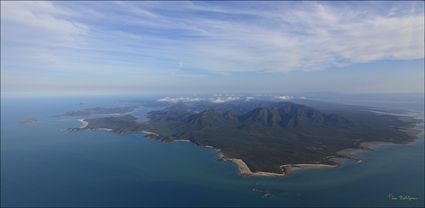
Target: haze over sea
x=43, y=165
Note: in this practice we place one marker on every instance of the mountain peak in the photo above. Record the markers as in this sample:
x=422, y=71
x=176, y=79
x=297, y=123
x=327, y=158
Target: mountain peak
x=288, y=115
x=262, y=115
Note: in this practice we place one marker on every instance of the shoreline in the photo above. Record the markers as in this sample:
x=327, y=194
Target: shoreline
x=349, y=153
x=296, y=167
x=149, y=133
x=339, y=158
x=344, y=154
x=84, y=123
x=244, y=170
x=105, y=129
x=181, y=140
x=243, y=167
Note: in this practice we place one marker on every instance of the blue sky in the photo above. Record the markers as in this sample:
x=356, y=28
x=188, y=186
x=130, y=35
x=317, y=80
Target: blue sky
x=207, y=47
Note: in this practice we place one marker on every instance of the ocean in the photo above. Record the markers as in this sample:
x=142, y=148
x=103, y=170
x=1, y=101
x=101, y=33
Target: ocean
x=44, y=165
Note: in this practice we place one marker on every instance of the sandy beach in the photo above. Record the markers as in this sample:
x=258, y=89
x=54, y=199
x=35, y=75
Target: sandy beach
x=295, y=167
x=84, y=123
x=245, y=171
x=105, y=129
x=181, y=140
x=288, y=168
x=150, y=133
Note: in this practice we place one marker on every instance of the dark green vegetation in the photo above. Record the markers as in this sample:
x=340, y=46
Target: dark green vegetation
x=266, y=135
x=99, y=110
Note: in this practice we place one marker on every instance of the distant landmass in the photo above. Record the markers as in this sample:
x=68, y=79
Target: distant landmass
x=267, y=137
x=100, y=110
x=28, y=121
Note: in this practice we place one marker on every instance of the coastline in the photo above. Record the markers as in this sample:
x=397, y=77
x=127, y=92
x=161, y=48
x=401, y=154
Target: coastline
x=296, y=167
x=413, y=132
x=149, y=133
x=181, y=140
x=339, y=158
x=243, y=167
x=105, y=129
x=350, y=153
x=84, y=123
x=244, y=170
x=344, y=154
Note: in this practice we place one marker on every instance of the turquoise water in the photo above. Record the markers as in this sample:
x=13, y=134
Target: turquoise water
x=43, y=165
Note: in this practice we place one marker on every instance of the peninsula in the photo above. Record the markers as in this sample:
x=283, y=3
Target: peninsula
x=100, y=110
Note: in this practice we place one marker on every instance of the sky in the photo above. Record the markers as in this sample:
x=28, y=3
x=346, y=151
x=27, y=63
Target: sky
x=110, y=47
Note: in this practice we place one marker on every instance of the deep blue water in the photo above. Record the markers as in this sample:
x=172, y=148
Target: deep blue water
x=43, y=165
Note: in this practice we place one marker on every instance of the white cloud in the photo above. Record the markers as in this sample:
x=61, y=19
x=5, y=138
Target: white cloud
x=288, y=97
x=213, y=99
x=249, y=98
x=223, y=99
x=284, y=97
x=38, y=22
x=308, y=37
x=179, y=99
x=146, y=40
x=36, y=33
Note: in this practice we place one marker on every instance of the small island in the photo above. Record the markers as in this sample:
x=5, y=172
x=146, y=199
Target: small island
x=28, y=121
x=267, y=138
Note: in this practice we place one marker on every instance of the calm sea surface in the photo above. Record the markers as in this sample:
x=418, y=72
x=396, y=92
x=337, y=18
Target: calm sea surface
x=43, y=165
